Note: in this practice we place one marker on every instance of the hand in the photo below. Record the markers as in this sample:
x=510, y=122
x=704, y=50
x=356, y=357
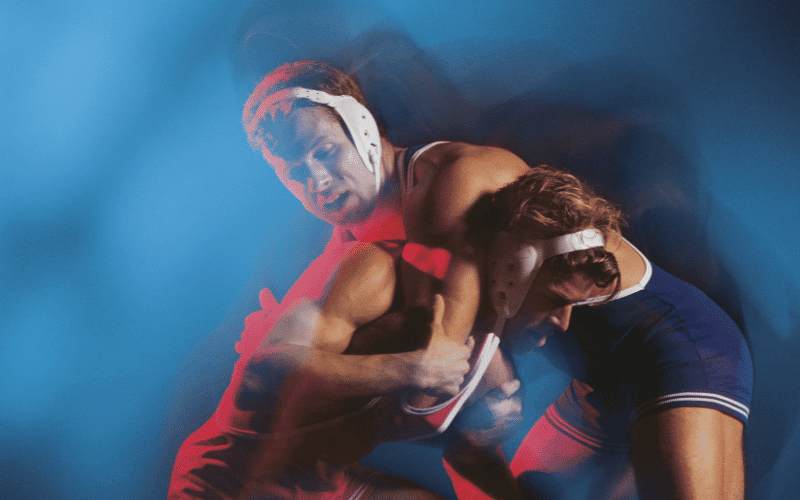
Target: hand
x=439, y=369
x=493, y=418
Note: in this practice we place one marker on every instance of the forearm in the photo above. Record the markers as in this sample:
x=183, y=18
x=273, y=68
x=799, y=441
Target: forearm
x=326, y=373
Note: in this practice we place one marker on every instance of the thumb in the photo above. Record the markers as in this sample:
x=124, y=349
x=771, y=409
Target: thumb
x=470, y=343
x=438, y=309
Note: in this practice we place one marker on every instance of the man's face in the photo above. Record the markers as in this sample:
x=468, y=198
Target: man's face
x=318, y=163
x=546, y=310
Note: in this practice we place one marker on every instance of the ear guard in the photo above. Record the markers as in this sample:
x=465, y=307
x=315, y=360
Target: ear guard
x=357, y=118
x=513, y=266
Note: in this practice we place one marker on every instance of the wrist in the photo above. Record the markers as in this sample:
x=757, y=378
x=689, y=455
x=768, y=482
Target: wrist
x=407, y=369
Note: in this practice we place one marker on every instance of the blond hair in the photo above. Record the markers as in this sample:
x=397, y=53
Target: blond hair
x=546, y=202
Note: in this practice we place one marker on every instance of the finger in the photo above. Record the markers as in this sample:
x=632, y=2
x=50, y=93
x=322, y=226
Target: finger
x=470, y=343
x=438, y=309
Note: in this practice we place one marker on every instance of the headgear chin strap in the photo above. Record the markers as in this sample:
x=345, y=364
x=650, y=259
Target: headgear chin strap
x=357, y=118
x=513, y=266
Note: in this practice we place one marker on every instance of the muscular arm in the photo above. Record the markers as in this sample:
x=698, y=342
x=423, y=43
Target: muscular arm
x=303, y=350
x=689, y=453
x=452, y=180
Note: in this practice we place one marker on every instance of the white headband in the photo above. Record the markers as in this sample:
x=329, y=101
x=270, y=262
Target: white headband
x=513, y=266
x=357, y=118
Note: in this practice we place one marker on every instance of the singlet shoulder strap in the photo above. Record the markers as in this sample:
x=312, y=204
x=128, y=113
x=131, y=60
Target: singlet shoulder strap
x=648, y=273
x=407, y=167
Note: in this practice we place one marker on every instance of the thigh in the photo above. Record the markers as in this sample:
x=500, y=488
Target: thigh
x=552, y=465
x=576, y=450
x=547, y=449
x=574, y=431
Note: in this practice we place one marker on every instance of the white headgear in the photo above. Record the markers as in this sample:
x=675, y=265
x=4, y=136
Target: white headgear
x=513, y=266
x=357, y=118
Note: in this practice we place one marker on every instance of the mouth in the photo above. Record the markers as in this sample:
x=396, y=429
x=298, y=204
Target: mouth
x=337, y=203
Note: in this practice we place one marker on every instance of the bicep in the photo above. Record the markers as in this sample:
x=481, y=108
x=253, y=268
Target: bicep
x=459, y=286
x=689, y=453
x=436, y=216
x=359, y=289
x=362, y=290
x=307, y=327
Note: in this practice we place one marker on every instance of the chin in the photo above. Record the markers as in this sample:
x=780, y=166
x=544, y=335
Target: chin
x=340, y=218
x=355, y=217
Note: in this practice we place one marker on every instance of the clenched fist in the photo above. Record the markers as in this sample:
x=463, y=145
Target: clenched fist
x=440, y=368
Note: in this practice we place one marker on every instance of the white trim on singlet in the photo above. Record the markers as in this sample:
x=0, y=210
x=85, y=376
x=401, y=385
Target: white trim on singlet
x=359, y=492
x=407, y=173
x=703, y=398
x=557, y=420
x=648, y=273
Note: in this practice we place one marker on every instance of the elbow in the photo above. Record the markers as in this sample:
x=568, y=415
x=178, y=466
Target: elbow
x=263, y=379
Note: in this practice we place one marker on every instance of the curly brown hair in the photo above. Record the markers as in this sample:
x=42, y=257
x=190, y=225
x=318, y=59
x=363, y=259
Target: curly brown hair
x=547, y=202
x=314, y=75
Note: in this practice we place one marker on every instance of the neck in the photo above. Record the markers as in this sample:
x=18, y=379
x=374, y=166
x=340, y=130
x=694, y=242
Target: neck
x=390, y=155
x=385, y=223
x=630, y=263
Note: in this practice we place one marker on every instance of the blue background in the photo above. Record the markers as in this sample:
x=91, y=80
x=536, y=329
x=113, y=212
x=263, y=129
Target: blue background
x=136, y=225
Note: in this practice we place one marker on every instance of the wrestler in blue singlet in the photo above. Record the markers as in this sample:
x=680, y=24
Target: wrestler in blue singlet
x=660, y=345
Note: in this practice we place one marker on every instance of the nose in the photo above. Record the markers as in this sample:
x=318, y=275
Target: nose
x=560, y=317
x=319, y=179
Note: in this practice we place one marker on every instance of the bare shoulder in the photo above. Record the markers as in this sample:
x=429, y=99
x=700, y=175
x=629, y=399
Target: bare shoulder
x=479, y=166
x=452, y=177
x=363, y=285
x=359, y=287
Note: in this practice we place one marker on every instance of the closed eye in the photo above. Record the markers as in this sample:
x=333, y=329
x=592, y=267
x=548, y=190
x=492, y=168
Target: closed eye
x=296, y=173
x=325, y=152
x=557, y=301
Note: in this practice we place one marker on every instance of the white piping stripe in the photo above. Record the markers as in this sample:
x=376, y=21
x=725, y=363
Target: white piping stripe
x=358, y=493
x=578, y=435
x=733, y=402
x=408, y=178
x=699, y=398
